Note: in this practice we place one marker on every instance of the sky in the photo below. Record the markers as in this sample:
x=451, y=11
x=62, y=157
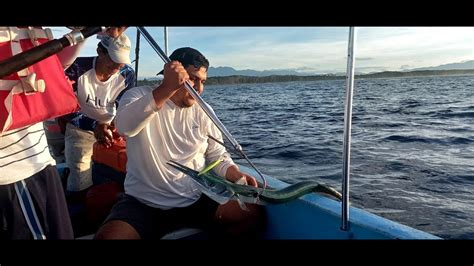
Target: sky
x=314, y=50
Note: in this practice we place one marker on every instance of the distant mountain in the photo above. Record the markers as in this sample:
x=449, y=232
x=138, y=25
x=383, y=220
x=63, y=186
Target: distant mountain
x=462, y=65
x=384, y=74
x=236, y=79
x=229, y=71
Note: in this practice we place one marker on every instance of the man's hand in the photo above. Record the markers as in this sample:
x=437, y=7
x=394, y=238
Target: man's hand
x=103, y=134
x=247, y=180
x=233, y=174
x=174, y=75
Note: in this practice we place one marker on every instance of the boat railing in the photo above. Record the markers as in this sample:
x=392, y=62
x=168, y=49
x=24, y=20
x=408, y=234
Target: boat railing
x=346, y=152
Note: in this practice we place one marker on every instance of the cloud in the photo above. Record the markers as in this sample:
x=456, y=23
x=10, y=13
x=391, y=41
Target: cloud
x=307, y=49
x=420, y=46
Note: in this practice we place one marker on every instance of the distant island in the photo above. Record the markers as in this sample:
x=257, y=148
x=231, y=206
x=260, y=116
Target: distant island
x=239, y=79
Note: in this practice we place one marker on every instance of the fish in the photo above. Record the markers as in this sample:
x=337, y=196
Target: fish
x=223, y=190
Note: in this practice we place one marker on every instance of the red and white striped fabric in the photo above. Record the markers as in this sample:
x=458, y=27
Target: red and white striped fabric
x=39, y=92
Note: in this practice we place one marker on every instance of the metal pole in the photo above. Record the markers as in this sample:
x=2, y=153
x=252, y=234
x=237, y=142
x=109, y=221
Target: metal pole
x=346, y=153
x=137, y=56
x=166, y=40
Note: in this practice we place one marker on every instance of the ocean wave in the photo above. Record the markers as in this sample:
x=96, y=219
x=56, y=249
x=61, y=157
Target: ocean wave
x=443, y=141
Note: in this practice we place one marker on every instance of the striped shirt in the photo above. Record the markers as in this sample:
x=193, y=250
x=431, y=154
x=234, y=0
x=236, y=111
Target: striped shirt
x=23, y=153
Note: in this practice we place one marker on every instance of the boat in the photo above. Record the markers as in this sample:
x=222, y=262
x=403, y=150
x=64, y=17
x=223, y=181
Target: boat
x=312, y=216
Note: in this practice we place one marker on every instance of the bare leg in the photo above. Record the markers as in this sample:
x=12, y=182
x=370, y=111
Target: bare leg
x=117, y=229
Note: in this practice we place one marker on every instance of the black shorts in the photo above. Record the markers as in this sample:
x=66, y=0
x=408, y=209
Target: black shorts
x=154, y=223
x=47, y=194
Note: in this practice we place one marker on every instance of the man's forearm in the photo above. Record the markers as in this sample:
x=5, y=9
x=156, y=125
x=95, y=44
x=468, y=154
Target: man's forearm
x=69, y=54
x=161, y=94
x=133, y=117
x=233, y=173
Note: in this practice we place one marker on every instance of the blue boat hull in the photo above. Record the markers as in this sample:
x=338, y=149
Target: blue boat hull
x=317, y=217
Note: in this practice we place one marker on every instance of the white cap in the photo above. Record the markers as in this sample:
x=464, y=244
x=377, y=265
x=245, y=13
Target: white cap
x=118, y=48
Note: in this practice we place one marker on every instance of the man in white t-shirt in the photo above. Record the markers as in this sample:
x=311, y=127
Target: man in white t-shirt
x=161, y=124
x=100, y=81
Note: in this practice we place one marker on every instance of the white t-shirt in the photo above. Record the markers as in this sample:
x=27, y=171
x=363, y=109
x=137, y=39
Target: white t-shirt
x=155, y=137
x=98, y=99
x=23, y=153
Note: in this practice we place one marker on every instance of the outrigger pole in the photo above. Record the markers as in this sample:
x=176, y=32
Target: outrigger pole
x=165, y=33
x=27, y=58
x=137, y=57
x=346, y=153
x=202, y=104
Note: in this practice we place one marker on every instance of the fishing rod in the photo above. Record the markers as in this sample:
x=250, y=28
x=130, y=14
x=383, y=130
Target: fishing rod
x=235, y=145
x=27, y=58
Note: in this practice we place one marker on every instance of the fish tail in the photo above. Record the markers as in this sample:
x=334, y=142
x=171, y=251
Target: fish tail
x=329, y=191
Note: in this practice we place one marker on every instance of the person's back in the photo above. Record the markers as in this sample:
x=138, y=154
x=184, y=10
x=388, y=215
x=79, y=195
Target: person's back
x=23, y=152
x=32, y=202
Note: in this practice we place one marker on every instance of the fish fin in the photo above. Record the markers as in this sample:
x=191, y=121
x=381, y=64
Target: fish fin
x=257, y=199
x=217, y=198
x=210, y=166
x=241, y=203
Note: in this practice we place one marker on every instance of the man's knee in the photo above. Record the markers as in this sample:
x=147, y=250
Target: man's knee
x=117, y=229
x=235, y=222
x=232, y=212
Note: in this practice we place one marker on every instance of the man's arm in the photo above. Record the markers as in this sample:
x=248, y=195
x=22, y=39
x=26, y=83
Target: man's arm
x=137, y=108
x=174, y=78
x=135, y=111
x=103, y=131
x=235, y=175
x=227, y=167
x=69, y=54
